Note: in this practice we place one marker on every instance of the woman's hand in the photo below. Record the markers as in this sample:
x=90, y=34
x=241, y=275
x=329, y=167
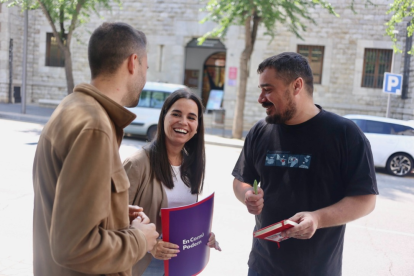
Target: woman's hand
x=164, y=250
x=212, y=243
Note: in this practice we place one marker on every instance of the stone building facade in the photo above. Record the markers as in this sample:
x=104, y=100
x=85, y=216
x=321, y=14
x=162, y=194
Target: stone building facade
x=171, y=27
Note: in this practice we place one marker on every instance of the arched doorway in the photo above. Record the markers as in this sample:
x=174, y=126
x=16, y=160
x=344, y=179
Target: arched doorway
x=204, y=67
x=213, y=75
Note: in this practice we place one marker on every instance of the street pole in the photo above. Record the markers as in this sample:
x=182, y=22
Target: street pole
x=24, y=74
x=387, y=114
x=388, y=106
x=10, y=69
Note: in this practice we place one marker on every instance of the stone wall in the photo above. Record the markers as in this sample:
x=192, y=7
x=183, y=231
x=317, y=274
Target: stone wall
x=406, y=106
x=10, y=28
x=345, y=39
x=173, y=24
x=4, y=53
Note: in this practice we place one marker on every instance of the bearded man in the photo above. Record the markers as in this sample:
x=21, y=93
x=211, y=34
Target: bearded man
x=314, y=168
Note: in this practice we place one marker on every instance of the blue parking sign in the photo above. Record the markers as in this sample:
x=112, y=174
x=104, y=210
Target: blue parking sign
x=392, y=83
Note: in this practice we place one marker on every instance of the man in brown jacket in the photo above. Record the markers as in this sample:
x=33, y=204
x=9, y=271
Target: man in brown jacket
x=81, y=223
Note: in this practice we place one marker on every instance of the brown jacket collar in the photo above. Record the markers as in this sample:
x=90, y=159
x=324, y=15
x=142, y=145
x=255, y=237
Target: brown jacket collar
x=118, y=114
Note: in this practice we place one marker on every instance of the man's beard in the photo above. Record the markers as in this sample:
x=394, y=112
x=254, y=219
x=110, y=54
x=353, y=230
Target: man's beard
x=132, y=101
x=281, y=118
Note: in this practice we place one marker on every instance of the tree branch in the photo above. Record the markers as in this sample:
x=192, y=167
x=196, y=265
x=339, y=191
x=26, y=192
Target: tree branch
x=247, y=32
x=72, y=25
x=52, y=24
x=256, y=22
x=62, y=20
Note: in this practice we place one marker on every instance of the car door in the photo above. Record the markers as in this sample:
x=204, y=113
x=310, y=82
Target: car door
x=404, y=136
x=383, y=143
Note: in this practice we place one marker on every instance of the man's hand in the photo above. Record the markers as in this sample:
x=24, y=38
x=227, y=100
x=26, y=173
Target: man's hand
x=148, y=229
x=306, y=228
x=133, y=212
x=254, y=202
x=165, y=250
x=137, y=212
x=244, y=192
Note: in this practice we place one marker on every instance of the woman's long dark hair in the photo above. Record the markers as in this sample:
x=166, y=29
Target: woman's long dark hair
x=194, y=161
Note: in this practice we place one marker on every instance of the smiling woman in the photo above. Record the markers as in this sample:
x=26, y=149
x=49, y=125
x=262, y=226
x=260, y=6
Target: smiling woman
x=180, y=141
x=169, y=172
x=180, y=125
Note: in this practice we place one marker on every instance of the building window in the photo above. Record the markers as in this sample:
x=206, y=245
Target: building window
x=376, y=63
x=54, y=55
x=314, y=54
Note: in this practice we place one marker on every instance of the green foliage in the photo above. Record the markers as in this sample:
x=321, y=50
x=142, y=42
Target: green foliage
x=292, y=14
x=62, y=12
x=367, y=4
x=401, y=10
x=64, y=16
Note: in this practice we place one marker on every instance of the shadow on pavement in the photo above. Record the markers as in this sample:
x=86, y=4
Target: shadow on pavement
x=31, y=131
x=394, y=187
x=384, y=171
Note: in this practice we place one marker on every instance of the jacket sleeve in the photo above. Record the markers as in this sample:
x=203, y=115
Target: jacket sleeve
x=83, y=204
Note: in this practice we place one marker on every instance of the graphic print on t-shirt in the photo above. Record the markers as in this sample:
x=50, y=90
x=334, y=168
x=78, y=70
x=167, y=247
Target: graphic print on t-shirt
x=286, y=159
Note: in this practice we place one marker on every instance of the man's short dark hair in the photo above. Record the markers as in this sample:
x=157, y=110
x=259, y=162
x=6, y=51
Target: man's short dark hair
x=110, y=44
x=289, y=66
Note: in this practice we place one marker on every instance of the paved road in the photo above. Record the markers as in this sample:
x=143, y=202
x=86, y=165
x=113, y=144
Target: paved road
x=379, y=244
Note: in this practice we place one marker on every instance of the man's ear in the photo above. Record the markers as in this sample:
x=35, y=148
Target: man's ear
x=131, y=63
x=297, y=86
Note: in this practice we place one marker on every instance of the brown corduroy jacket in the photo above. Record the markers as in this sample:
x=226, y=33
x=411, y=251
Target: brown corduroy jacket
x=80, y=222
x=147, y=193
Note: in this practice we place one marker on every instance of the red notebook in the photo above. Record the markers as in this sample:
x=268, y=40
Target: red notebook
x=272, y=232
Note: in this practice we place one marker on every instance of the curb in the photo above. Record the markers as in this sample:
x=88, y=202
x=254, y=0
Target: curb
x=43, y=120
x=223, y=144
x=24, y=117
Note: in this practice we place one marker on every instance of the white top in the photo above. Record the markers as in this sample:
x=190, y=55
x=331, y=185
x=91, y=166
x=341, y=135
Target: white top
x=180, y=195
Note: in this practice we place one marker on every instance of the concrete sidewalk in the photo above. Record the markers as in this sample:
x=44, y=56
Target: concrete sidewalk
x=40, y=115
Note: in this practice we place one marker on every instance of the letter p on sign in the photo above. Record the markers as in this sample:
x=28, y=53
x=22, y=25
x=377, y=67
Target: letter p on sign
x=392, y=83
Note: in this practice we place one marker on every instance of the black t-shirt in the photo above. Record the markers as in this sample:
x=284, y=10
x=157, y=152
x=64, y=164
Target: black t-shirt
x=304, y=167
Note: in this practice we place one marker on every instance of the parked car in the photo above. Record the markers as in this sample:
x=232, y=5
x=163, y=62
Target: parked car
x=149, y=107
x=392, y=142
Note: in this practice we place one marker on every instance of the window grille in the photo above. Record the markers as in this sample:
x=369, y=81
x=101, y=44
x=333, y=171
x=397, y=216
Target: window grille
x=54, y=55
x=314, y=54
x=376, y=63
